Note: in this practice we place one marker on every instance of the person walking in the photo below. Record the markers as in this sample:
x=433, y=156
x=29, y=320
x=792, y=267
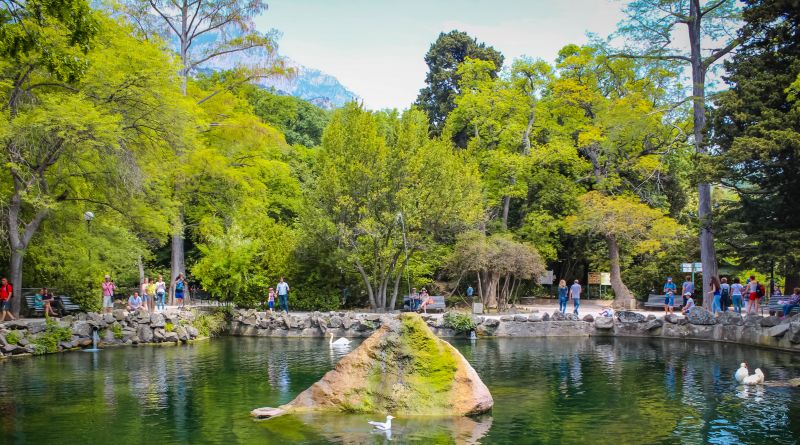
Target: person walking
x=283, y=295
x=752, y=292
x=562, y=296
x=6, y=294
x=669, y=299
x=161, y=293
x=108, y=294
x=724, y=294
x=736, y=295
x=715, y=294
x=180, y=287
x=575, y=294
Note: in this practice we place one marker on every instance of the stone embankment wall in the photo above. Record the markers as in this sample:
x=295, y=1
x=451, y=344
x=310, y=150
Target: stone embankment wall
x=755, y=330
x=117, y=328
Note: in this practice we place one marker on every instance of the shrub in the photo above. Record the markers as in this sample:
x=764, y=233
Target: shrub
x=116, y=328
x=13, y=337
x=459, y=322
x=169, y=327
x=209, y=325
x=47, y=341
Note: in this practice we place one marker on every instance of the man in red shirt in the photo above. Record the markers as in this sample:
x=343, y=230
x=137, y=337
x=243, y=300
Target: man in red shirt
x=6, y=292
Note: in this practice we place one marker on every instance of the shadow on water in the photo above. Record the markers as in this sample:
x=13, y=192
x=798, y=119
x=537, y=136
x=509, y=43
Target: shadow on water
x=553, y=390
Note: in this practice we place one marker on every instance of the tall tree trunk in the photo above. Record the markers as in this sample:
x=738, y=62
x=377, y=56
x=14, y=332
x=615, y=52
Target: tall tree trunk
x=526, y=138
x=506, y=205
x=622, y=296
x=708, y=254
x=368, y=284
x=17, y=255
x=19, y=240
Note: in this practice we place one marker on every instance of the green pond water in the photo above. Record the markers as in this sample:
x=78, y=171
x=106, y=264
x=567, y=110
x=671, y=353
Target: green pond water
x=568, y=390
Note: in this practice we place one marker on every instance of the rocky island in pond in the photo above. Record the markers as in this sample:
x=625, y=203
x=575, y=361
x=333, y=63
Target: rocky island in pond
x=402, y=369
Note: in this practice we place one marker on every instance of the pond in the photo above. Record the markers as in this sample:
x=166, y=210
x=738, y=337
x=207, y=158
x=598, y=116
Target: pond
x=556, y=390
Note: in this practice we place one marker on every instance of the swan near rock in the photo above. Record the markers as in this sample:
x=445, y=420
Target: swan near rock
x=340, y=342
x=741, y=373
x=755, y=379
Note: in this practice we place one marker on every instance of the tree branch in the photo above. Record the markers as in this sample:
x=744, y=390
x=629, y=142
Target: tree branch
x=721, y=52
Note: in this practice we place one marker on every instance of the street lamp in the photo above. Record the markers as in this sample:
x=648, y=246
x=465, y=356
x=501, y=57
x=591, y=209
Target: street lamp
x=88, y=217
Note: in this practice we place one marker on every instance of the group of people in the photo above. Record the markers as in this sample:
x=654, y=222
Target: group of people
x=726, y=295
x=565, y=294
x=419, y=301
x=150, y=297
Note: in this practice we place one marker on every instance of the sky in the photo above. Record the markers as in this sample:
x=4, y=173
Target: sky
x=376, y=48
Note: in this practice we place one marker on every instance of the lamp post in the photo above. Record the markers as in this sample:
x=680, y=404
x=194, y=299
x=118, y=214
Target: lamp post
x=88, y=217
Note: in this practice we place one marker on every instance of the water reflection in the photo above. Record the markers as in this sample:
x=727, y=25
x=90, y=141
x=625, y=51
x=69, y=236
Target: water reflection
x=556, y=390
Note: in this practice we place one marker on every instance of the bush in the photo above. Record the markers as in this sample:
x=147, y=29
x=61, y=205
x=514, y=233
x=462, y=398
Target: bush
x=13, y=337
x=209, y=325
x=169, y=327
x=306, y=297
x=459, y=322
x=47, y=341
x=116, y=328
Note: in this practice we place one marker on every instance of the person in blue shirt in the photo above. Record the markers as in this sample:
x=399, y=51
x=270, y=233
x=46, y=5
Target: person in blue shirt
x=562, y=296
x=669, y=291
x=470, y=291
x=283, y=295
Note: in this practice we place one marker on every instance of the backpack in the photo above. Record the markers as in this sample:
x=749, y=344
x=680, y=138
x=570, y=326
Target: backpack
x=179, y=285
x=760, y=290
x=724, y=292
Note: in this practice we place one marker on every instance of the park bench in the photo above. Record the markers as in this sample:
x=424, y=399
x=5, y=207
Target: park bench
x=33, y=311
x=774, y=306
x=437, y=305
x=65, y=307
x=657, y=301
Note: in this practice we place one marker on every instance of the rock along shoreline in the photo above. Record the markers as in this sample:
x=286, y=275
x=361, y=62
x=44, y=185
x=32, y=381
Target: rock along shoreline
x=751, y=330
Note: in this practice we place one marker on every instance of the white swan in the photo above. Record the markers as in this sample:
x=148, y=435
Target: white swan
x=340, y=342
x=755, y=379
x=383, y=425
x=741, y=373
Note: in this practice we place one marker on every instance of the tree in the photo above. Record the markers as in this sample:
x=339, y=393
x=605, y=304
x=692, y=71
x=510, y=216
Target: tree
x=756, y=128
x=86, y=105
x=300, y=121
x=650, y=27
x=624, y=223
x=437, y=99
x=384, y=190
x=499, y=263
x=204, y=31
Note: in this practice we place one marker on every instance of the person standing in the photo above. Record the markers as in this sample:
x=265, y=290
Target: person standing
x=161, y=292
x=575, y=294
x=669, y=299
x=736, y=295
x=688, y=287
x=470, y=292
x=143, y=293
x=283, y=295
x=151, y=295
x=562, y=296
x=108, y=294
x=724, y=294
x=715, y=294
x=6, y=294
x=180, y=287
x=271, y=299
x=752, y=291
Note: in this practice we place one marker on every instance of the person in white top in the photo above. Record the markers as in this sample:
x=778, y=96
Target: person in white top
x=283, y=295
x=575, y=294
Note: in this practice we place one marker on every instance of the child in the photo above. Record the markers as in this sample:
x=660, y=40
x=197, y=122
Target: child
x=688, y=303
x=271, y=299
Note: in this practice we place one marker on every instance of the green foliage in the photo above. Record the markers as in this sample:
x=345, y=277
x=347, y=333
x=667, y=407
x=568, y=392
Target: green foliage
x=459, y=322
x=13, y=337
x=168, y=327
x=437, y=98
x=299, y=121
x=116, y=328
x=46, y=342
x=209, y=325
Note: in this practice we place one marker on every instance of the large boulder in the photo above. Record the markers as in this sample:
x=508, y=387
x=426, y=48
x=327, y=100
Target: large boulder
x=768, y=322
x=728, y=318
x=630, y=317
x=157, y=320
x=603, y=322
x=698, y=315
x=145, y=333
x=82, y=329
x=672, y=318
x=403, y=369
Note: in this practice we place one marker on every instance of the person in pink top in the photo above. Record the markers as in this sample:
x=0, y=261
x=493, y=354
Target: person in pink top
x=108, y=294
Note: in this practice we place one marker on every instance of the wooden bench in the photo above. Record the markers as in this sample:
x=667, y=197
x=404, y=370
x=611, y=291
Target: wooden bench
x=68, y=306
x=657, y=301
x=33, y=311
x=65, y=307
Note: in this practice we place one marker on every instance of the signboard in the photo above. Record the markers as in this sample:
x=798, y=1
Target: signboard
x=547, y=278
x=477, y=308
x=687, y=267
x=594, y=278
x=605, y=279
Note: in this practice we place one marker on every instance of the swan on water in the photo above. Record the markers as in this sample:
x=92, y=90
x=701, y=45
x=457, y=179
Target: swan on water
x=741, y=373
x=340, y=342
x=383, y=425
x=755, y=379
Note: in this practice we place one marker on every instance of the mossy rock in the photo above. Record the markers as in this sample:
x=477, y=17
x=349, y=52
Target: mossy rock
x=402, y=369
